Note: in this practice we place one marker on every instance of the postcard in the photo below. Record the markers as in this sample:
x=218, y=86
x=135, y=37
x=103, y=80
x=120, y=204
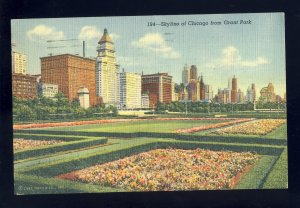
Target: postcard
x=149, y=103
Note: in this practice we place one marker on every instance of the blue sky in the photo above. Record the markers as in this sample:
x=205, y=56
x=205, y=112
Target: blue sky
x=254, y=53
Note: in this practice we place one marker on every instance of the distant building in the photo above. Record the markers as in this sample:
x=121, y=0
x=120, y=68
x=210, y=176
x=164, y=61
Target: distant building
x=193, y=72
x=159, y=88
x=173, y=91
x=267, y=93
x=145, y=101
x=24, y=86
x=186, y=75
x=107, y=70
x=224, y=96
x=70, y=73
x=202, y=89
x=251, y=94
x=130, y=90
x=19, y=63
x=192, y=90
x=234, y=90
x=240, y=96
x=47, y=90
x=208, y=92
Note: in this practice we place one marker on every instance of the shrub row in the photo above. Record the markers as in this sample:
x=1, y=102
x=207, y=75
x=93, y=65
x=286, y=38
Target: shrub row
x=58, y=148
x=80, y=163
x=189, y=137
x=66, y=138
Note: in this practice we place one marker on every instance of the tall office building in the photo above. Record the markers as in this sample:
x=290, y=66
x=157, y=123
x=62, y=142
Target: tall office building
x=107, y=71
x=254, y=91
x=234, y=90
x=19, y=63
x=192, y=90
x=202, y=89
x=193, y=72
x=240, y=96
x=158, y=87
x=186, y=75
x=70, y=73
x=130, y=90
x=208, y=92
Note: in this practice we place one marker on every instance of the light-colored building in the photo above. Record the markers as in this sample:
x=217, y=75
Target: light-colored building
x=240, y=96
x=267, y=94
x=84, y=97
x=47, y=90
x=173, y=91
x=145, y=101
x=130, y=90
x=186, y=75
x=107, y=71
x=19, y=63
x=208, y=92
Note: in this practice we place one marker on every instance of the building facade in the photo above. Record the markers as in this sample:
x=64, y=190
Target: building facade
x=193, y=72
x=47, y=90
x=186, y=75
x=234, y=90
x=24, y=86
x=145, y=101
x=208, y=92
x=107, y=71
x=158, y=87
x=70, y=73
x=19, y=63
x=267, y=93
x=130, y=90
x=192, y=90
x=202, y=89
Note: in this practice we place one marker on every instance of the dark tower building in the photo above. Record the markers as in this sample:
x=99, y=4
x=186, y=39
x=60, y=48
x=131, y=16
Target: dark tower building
x=234, y=90
x=202, y=89
x=254, y=91
x=192, y=90
x=193, y=72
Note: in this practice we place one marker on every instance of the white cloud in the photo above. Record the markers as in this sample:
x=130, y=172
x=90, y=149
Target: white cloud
x=231, y=58
x=90, y=32
x=156, y=43
x=44, y=33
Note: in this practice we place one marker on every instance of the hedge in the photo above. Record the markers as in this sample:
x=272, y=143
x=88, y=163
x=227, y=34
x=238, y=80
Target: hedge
x=58, y=148
x=189, y=137
x=48, y=137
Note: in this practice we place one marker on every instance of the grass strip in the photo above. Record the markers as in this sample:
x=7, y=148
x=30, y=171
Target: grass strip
x=278, y=177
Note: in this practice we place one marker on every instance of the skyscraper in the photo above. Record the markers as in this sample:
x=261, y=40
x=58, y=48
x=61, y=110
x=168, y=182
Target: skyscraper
x=19, y=63
x=234, y=90
x=186, y=75
x=130, y=90
x=107, y=71
x=192, y=90
x=208, y=92
x=254, y=91
x=193, y=72
x=202, y=89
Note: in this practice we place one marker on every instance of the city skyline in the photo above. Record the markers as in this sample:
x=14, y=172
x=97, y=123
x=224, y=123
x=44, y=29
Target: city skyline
x=258, y=57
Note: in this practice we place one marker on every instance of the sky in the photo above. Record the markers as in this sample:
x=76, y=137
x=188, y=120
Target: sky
x=254, y=53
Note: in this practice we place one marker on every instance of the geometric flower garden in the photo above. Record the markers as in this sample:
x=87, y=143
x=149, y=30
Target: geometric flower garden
x=151, y=155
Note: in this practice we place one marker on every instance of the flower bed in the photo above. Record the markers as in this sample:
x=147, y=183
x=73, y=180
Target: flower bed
x=211, y=126
x=169, y=170
x=22, y=144
x=77, y=123
x=257, y=127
